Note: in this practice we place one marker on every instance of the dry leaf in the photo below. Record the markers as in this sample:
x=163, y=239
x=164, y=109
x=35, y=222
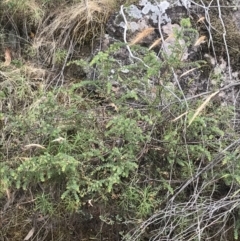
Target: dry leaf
x=201, y=40
x=114, y=106
x=201, y=20
x=140, y=36
x=202, y=106
x=90, y=202
x=115, y=89
x=59, y=139
x=31, y=35
x=33, y=145
x=7, y=57
x=30, y=234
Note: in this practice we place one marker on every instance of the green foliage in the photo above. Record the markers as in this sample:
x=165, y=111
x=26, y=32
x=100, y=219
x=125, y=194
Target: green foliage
x=237, y=226
x=120, y=135
x=78, y=175
x=32, y=11
x=139, y=202
x=6, y=173
x=84, y=140
x=44, y=204
x=182, y=37
x=60, y=56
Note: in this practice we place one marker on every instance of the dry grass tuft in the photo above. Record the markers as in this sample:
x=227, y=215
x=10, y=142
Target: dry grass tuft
x=75, y=23
x=69, y=26
x=32, y=72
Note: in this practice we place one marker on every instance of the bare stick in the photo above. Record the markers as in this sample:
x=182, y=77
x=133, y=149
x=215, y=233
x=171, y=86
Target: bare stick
x=125, y=39
x=224, y=39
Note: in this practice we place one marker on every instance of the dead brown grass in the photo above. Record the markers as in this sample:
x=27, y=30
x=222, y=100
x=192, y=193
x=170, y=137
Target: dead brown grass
x=75, y=23
x=71, y=25
x=34, y=73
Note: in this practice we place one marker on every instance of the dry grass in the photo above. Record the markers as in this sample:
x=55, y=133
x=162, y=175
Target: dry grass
x=69, y=27
x=32, y=72
x=52, y=32
x=29, y=8
x=202, y=106
x=155, y=43
x=75, y=23
x=141, y=35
